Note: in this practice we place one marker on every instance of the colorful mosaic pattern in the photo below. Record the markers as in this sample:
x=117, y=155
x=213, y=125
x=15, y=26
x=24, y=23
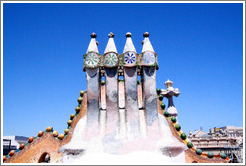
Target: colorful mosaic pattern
x=130, y=58
x=111, y=59
x=149, y=58
x=91, y=60
x=121, y=59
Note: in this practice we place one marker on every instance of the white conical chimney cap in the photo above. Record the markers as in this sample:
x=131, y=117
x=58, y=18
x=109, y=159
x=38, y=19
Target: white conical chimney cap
x=146, y=43
x=93, y=44
x=129, y=46
x=111, y=45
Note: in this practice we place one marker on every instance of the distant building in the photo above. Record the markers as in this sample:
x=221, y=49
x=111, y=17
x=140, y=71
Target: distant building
x=228, y=139
x=12, y=143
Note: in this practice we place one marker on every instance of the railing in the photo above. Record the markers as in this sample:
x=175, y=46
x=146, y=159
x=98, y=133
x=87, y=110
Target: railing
x=211, y=145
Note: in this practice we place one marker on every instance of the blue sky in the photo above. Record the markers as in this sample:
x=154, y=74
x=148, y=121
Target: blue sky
x=199, y=47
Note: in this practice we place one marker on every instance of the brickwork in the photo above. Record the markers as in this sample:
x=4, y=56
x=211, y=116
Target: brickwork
x=32, y=152
x=47, y=143
x=192, y=157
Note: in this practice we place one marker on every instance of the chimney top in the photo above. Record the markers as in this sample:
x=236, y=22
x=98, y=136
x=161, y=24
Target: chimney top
x=128, y=34
x=111, y=35
x=93, y=35
x=146, y=34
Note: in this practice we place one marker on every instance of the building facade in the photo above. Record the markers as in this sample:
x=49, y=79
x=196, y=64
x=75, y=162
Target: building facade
x=12, y=143
x=227, y=139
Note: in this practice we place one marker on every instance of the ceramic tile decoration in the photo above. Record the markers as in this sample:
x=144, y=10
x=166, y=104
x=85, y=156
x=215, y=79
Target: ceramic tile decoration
x=111, y=59
x=148, y=58
x=130, y=58
x=91, y=60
